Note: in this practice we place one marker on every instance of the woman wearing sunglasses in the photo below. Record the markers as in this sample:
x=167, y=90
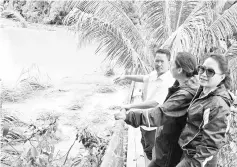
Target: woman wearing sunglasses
x=208, y=113
x=171, y=114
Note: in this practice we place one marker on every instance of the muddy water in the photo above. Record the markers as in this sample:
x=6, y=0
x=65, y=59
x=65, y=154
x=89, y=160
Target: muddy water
x=75, y=71
x=54, y=52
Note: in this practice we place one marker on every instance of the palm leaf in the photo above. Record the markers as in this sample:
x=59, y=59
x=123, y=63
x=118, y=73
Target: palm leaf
x=190, y=36
x=111, y=12
x=184, y=9
x=231, y=55
x=164, y=17
x=226, y=24
x=220, y=5
x=153, y=15
x=195, y=36
x=127, y=6
x=110, y=39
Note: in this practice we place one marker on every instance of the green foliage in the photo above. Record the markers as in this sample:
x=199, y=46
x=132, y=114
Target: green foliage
x=43, y=11
x=35, y=11
x=35, y=143
x=228, y=154
x=29, y=81
x=58, y=10
x=116, y=33
x=106, y=89
x=95, y=146
x=109, y=71
x=231, y=54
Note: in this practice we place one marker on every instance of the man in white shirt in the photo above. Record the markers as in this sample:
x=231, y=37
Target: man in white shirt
x=156, y=86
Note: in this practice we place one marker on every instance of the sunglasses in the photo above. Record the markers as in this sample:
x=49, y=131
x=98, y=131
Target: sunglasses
x=209, y=71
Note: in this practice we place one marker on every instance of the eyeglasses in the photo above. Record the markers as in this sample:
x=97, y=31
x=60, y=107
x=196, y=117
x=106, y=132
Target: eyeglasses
x=209, y=71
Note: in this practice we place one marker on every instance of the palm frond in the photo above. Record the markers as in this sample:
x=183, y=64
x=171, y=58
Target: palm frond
x=153, y=15
x=110, y=12
x=164, y=17
x=111, y=40
x=220, y=5
x=190, y=36
x=167, y=19
x=231, y=55
x=185, y=8
x=127, y=6
x=232, y=51
x=195, y=36
x=226, y=24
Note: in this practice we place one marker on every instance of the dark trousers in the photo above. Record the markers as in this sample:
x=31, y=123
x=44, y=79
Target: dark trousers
x=153, y=164
x=185, y=162
x=148, y=140
x=167, y=155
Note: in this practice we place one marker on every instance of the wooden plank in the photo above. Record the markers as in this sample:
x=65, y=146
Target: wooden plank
x=135, y=156
x=131, y=150
x=115, y=151
x=139, y=149
x=134, y=134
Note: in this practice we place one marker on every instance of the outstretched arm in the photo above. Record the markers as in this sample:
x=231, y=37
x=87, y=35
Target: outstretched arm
x=175, y=106
x=136, y=78
x=142, y=105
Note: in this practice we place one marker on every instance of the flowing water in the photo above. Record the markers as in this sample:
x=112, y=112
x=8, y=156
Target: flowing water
x=54, y=52
x=75, y=70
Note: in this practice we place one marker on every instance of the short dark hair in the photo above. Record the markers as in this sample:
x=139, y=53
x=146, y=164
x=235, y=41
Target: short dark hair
x=187, y=62
x=223, y=65
x=164, y=51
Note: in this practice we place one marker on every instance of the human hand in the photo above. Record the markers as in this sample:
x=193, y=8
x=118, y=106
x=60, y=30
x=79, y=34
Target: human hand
x=120, y=115
x=126, y=107
x=120, y=78
x=232, y=108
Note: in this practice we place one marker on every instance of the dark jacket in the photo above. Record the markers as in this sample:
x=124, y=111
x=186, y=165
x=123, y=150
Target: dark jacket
x=207, y=122
x=172, y=115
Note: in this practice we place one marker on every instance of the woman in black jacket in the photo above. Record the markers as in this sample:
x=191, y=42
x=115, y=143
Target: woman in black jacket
x=172, y=114
x=207, y=122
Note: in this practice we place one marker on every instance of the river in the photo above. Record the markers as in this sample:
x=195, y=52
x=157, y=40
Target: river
x=54, y=52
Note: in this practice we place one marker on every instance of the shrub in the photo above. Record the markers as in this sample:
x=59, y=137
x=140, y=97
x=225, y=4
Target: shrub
x=228, y=154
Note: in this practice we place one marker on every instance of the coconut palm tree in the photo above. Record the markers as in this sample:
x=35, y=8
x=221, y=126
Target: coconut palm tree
x=195, y=26
x=129, y=50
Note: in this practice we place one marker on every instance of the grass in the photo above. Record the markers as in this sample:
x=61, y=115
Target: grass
x=29, y=81
x=95, y=146
x=228, y=153
x=106, y=89
x=76, y=104
x=109, y=72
